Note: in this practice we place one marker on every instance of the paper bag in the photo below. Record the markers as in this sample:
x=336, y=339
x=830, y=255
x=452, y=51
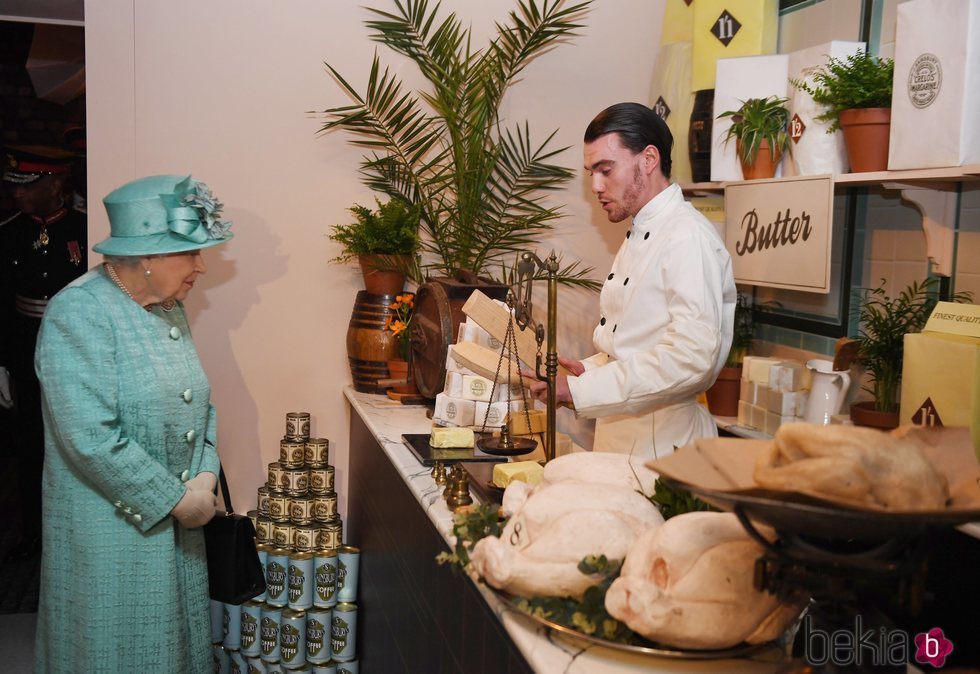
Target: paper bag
x=671, y=98
x=730, y=28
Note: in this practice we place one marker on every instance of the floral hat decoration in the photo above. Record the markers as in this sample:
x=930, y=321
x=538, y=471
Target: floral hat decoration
x=163, y=214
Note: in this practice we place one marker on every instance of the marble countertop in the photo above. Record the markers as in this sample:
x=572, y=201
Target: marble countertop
x=544, y=649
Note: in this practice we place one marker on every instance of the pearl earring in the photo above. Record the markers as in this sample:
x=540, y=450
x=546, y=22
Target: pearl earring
x=147, y=271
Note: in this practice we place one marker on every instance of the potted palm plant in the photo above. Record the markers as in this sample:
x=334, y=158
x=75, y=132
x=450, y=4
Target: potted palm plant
x=857, y=92
x=759, y=128
x=884, y=322
x=384, y=242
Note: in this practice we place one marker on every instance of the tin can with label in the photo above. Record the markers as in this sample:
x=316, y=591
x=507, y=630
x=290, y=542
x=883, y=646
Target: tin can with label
x=318, y=635
x=301, y=509
x=324, y=668
x=329, y=535
x=292, y=638
x=263, y=530
x=251, y=618
x=282, y=534
x=262, y=550
x=300, y=580
x=295, y=481
x=279, y=502
x=255, y=666
x=263, y=500
x=276, y=570
x=237, y=663
x=325, y=506
x=292, y=453
x=322, y=479
x=232, y=626
x=343, y=631
x=275, y=476
x=220, y=660
x=348, y=560
x=348, y=667
x=304, y=537
x=298, y=425
x=274, y=667
x=317, y=452
x=254, y=516
x=325, y=579
x=217, y=621
x=269, y=632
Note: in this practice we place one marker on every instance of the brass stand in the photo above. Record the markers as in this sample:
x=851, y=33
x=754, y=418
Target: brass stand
x=460, y=494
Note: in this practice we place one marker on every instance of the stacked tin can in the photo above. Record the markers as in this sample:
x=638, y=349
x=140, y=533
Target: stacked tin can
x=306, y=620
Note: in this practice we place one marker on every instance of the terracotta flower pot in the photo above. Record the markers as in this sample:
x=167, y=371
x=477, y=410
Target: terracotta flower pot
x=866, y=132
x=378, y=280
x=865, y=414
x=398, y=369
x=723, y=394
x=763, y=166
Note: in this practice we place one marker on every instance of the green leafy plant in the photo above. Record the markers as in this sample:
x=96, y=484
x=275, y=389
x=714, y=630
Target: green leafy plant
x=672, y=502
x=757, y=120
x=858, y=81
x=883, y=323
x=390, y=230
x=480, y=186
x=469, y=526
x=742, y=332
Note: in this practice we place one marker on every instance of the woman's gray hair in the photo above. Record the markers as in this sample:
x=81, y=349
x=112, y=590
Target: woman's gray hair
x=123, y=260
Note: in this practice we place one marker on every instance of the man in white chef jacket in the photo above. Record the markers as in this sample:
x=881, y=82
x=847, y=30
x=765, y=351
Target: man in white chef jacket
x=667, y=305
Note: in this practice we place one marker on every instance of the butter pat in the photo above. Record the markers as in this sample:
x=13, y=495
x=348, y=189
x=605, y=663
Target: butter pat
x=452, y=437
x=786, y=377
x=519, y=471
x=786, y=403
x=756, y=368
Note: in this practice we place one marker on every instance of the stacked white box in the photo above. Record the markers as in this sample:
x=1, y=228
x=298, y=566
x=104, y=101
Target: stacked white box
x=454, y=411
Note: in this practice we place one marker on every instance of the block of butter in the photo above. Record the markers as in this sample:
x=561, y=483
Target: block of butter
x=451, y=437
x=519, y=471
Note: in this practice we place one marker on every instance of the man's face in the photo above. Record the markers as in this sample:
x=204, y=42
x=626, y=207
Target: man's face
x=40, y=197
x=618, y=177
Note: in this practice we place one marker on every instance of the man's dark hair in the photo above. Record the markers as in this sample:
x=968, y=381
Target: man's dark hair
x=637, y=126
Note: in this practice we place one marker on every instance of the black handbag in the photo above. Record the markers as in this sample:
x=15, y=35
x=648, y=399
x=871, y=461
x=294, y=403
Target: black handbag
x=235, y=573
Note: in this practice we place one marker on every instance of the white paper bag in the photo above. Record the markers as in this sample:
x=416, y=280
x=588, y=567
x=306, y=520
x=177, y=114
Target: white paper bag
x=671, y=98
x=937, y=85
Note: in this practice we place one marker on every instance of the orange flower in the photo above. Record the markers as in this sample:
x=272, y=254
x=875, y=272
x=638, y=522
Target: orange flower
x=397, y=327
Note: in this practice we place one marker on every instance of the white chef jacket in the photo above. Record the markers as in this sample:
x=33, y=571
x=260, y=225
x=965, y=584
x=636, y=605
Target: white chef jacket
x=667, y=310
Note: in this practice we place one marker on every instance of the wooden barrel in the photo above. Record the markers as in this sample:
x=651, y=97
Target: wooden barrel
x=369, y=345
x=699, y=135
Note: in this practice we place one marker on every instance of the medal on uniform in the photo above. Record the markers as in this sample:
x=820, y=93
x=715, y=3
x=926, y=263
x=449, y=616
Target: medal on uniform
x=43, y=239
x=74, y=253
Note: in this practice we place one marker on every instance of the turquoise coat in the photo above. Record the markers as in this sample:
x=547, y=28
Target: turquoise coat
x=127, y=419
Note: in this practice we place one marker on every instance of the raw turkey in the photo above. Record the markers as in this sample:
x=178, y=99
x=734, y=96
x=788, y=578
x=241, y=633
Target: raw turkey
x=688, y=584
x=553, y=527
x=607, y=467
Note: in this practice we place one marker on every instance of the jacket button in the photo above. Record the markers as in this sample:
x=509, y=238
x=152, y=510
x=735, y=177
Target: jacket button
x=191, y=434
x=44, y=274
x=137, y=518
x=610, y=277
x=117, y=504
x=185, y=476
x=602, y=321
x=175, y=333
x=128, y=510
x=187, y=395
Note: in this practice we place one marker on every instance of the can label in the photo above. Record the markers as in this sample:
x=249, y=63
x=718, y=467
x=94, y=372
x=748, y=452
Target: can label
x=255, y=666
x=292, y=453
x=278, y=506
x=301, y=581
x=301, y=509
x=343, y=631
x=298, y=424
x=317, y=639
x=329, y=535
x=251, y=618
x=304, y=538
x=348, y=667
x=220, y=659
x=231, y=619
x=322, y=479
x=263, y=500
x=269, y=633
x=317, y=452
x=263, y=530
x=325, y=506
x=292, y=640
x=238, y=665
x=275, y=578
x=282, y=534
x=295, y=480
x=325, y=580
x=348, y=559
x=275, y=476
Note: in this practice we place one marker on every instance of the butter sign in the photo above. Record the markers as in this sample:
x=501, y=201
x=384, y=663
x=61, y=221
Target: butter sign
x=779, y=232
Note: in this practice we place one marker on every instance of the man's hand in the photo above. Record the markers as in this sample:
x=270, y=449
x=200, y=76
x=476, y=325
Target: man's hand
x=563, y=396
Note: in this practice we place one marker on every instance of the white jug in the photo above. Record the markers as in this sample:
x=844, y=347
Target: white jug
x=828, y=391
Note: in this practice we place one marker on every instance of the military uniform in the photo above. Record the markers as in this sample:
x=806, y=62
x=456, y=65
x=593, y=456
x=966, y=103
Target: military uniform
x=38, y=257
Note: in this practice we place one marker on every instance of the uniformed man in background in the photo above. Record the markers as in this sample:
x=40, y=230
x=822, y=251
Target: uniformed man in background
x=42, y=249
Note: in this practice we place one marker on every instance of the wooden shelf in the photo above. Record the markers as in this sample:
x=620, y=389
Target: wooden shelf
x=969, y=173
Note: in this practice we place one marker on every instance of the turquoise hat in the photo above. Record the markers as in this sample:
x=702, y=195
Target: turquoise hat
x=157, y=215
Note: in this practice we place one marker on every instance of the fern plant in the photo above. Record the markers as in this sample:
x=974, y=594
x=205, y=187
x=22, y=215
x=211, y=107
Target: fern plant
x=390, y=230
x=858, y=81
x=757, y=120
x=480, y=186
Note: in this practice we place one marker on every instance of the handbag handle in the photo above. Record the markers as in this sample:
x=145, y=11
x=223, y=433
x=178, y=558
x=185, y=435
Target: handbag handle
x=225, y=494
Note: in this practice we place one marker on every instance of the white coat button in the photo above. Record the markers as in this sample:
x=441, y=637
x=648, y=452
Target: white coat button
x=191, y=434
x=137, y=518
x=175, y=333
x=118, y=504
x=128, y=510
x=187, y=395
x=185, y=476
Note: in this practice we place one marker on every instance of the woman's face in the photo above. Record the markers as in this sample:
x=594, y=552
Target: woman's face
x=172, y=276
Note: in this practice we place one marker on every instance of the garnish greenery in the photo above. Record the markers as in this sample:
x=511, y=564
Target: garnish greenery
x=469, y=526
x=672, y=502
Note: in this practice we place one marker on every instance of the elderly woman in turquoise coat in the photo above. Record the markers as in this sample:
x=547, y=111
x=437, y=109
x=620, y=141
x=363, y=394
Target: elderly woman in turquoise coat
x=130, y=438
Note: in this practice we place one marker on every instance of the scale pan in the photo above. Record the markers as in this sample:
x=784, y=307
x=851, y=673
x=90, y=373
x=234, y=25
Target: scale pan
x=516, y=447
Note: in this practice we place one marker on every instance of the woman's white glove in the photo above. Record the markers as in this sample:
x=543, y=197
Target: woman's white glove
x=195, y=508
x=205, y=481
